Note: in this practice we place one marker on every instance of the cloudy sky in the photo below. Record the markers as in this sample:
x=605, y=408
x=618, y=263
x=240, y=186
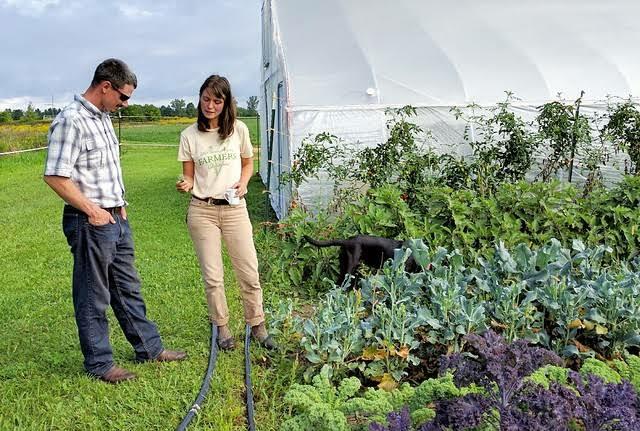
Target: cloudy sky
x=50, y=48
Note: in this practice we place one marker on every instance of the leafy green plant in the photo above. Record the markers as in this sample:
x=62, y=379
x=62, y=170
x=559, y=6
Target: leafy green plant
x=332, y=338
x=314, y=153
x=399, y=161
x=318, y=407
x=391, y=324
x=380, y=212
x=564, y=299
x=629, y=369
x=449, y=313
x=298, y=266
x=564, y=130
x=511, y=304
x=501, y=142
x=614, y=311
x=623, y=129
x=386, y=162
x=322, y=406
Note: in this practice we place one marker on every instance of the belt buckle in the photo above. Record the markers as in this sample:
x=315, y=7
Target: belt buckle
x=210, y=201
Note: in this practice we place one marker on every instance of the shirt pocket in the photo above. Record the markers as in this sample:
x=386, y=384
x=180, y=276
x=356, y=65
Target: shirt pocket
x=96, y=153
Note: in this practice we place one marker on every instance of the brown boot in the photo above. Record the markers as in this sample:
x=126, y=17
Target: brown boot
x=117, y=375
x=259, y=332
x=170, y=356
x=225, y=338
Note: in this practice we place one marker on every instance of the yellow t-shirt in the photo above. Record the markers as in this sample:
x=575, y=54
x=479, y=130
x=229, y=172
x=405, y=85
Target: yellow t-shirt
x=217, y=162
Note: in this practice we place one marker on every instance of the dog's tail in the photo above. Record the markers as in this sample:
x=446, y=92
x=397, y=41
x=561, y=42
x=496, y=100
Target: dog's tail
x=327, y=243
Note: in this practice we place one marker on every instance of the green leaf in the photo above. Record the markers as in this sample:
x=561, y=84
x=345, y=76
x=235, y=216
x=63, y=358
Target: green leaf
x=595, y=316
x=314, y=358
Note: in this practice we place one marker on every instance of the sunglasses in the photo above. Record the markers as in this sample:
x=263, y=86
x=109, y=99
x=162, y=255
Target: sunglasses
x=123, y=97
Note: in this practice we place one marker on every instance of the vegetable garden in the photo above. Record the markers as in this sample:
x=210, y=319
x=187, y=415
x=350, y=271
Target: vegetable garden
x=526, y=313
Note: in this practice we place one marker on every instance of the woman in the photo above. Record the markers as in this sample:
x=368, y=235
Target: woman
x=217, y=162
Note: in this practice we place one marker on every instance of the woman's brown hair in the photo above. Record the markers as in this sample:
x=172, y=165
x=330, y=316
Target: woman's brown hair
x=220, y=87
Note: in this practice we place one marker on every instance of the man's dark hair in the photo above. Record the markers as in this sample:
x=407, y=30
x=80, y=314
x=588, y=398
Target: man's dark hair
x=116, y=72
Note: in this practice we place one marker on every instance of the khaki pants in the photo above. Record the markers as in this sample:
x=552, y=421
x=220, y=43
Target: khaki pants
x=207, y=225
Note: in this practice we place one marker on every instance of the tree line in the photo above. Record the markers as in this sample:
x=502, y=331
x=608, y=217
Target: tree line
x=147, y=112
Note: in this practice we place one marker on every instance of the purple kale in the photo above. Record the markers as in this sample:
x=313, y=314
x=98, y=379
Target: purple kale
x=500, y=369
x=536, y=409
x=431, y=426
x=459, y=413
x=398, y=421
x=605, y=406
x=491, y=361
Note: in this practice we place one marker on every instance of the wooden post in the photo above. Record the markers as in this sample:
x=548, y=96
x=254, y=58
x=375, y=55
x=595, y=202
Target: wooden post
x=574, y=139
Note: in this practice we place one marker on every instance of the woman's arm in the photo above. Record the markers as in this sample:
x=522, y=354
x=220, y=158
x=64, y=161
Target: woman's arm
x=245, y=176
x=186, y=184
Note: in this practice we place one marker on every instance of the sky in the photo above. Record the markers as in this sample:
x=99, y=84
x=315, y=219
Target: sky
x=50, y=48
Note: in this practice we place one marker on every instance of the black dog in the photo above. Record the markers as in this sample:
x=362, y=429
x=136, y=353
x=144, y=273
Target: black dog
x=370, y=250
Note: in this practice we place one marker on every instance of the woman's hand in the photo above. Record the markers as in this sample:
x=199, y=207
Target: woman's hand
x=184, y=185
x=241, y=188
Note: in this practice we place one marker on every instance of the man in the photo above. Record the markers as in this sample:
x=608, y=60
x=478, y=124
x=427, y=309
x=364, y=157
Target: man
x=83, y=168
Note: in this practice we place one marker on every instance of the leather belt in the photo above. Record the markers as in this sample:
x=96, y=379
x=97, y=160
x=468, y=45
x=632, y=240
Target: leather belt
x=113, y=210
x=74, y=210
x=212, y=201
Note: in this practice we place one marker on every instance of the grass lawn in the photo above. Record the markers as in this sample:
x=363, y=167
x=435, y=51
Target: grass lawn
x=42, y=381
x=167, y=134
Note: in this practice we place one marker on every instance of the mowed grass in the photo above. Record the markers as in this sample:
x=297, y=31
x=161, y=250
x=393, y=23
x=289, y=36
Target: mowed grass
x=168, y=133
x=42, y=382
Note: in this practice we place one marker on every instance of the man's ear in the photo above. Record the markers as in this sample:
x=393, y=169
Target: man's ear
x=104, y=86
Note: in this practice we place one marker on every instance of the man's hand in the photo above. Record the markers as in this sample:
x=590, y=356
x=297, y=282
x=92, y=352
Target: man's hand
x=68, y=191
x=100, y=217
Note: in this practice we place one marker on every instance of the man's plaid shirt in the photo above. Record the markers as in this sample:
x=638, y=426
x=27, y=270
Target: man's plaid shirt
x=83, y=146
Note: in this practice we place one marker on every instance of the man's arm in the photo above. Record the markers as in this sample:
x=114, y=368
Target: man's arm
x=67, y=190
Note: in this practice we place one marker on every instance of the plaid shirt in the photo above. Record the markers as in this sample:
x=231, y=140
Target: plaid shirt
x=83, y=146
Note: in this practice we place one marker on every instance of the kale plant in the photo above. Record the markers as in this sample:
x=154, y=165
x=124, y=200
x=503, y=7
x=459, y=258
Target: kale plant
x=398, y=421
x=510, y=402
x=605, y=406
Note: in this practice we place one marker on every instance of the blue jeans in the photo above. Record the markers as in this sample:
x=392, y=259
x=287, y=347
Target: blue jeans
x=104, y=274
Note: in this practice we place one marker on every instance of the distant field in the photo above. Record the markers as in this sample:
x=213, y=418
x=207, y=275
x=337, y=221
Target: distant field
x=23, y=136
x=15, y=137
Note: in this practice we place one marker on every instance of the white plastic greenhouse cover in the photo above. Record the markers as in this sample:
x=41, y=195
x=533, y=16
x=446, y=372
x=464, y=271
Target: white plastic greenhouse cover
x=343, y=62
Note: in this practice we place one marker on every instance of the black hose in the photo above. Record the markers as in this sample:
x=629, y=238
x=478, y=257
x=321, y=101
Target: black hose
x=204, y=389
x=247, y=379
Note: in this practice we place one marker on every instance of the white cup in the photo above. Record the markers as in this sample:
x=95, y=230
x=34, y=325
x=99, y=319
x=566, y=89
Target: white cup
x=231, y=196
